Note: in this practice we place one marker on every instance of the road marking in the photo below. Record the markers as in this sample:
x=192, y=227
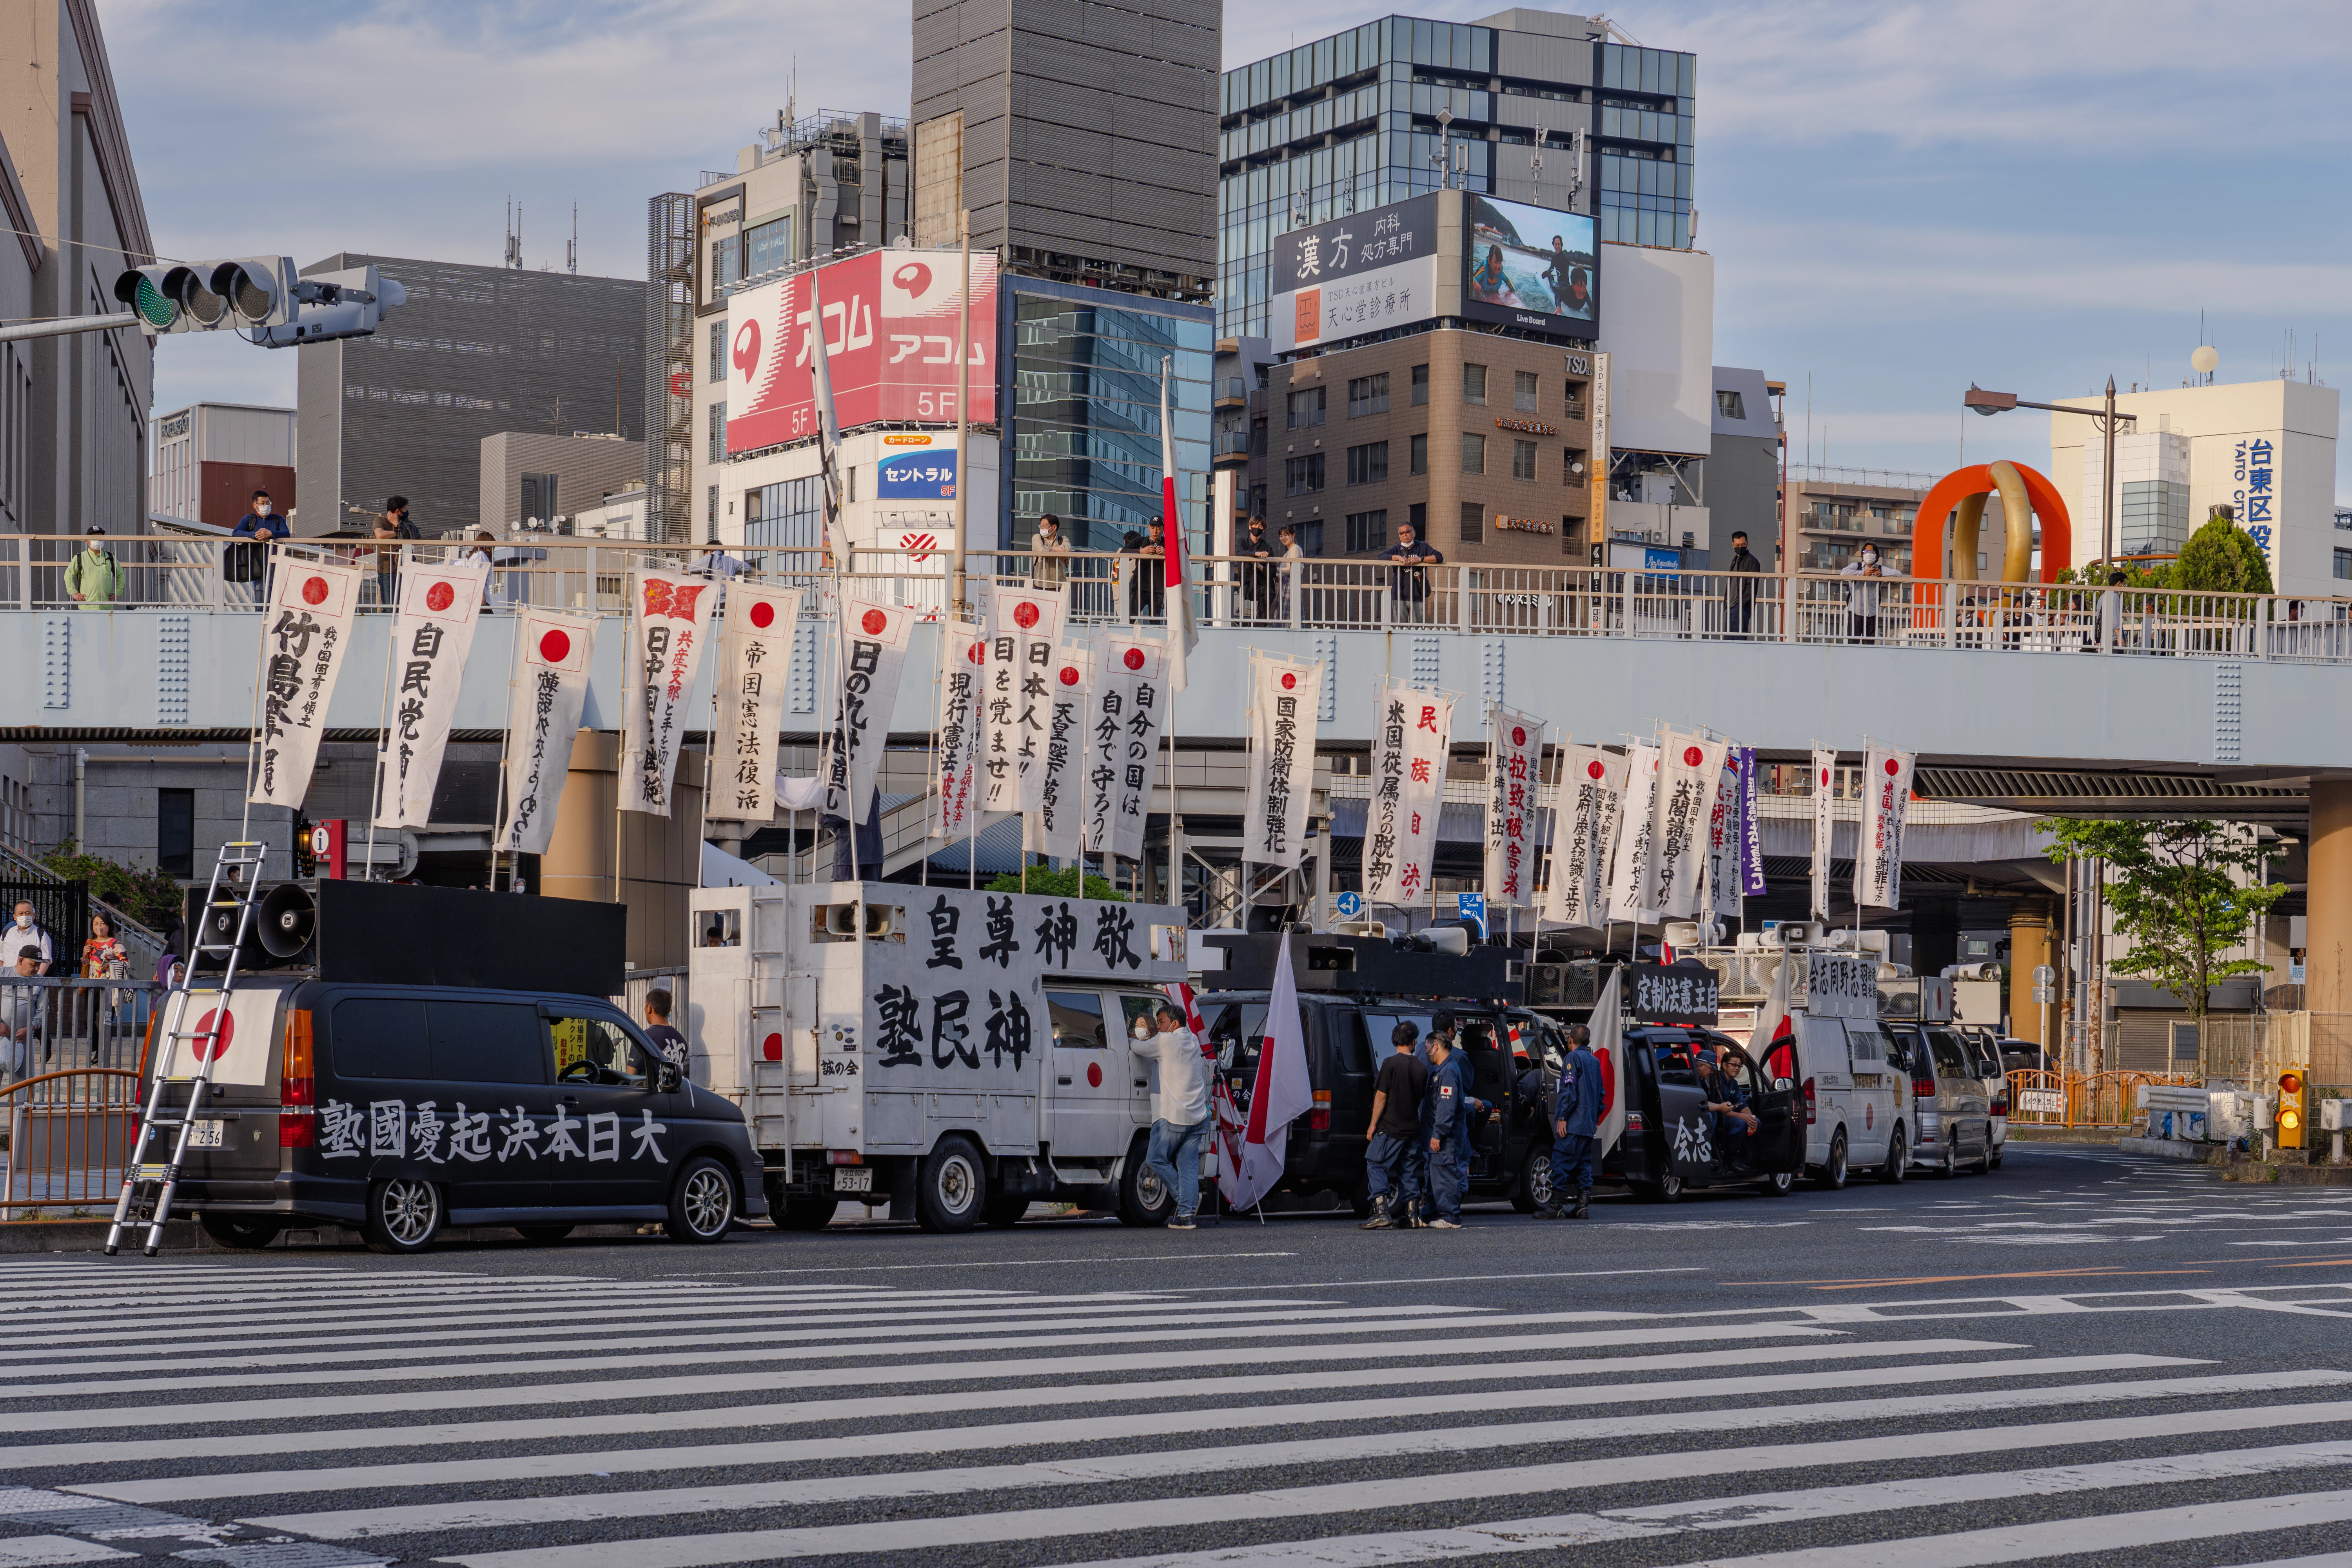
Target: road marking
x=42, y=1551
x=1016, y=1263
x=2086, y=1273
x=1436, y=1279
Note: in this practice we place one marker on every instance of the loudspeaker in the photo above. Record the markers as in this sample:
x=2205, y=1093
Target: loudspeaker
x=287, y=920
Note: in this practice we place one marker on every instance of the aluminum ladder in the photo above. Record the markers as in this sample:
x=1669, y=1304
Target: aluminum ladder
x=145, y=1184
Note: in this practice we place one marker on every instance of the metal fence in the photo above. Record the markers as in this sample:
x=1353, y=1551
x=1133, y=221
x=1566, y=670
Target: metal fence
x=71, y=1053
x=2054, y=1098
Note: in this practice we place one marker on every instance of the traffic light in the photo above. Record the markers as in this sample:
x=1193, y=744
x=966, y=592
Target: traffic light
x=306, y=860
x=2294, y=1109
x=241, y=292
x=329, y=305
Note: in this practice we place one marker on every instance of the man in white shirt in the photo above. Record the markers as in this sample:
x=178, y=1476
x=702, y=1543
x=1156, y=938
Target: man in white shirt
x=1180, y=1109
x=720, y=567
x=26, y=931
x=20, y=1012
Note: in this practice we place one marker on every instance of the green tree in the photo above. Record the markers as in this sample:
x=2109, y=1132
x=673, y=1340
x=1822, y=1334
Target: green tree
x=1061, y=884
x=2222, y=558
x=145, y=895
x=2180, y=891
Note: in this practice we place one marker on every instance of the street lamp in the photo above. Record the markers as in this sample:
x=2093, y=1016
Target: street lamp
x=1992, y=402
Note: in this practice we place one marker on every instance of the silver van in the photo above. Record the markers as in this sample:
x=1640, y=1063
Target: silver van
x=1948, y=1102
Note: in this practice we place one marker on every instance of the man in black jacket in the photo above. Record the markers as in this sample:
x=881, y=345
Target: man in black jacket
x=1742, y=594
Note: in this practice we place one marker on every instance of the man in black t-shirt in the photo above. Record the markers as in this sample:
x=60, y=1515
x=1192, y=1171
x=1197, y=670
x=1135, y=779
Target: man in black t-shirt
x=1392, y=1162
x=667, y=1040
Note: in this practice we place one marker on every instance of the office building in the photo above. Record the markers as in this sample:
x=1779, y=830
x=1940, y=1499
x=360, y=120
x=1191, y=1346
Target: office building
x=476, y=350
x=211, y=456
x=1833, y=512
x=529, y=479
x=2266, y=449
x=1743, y=467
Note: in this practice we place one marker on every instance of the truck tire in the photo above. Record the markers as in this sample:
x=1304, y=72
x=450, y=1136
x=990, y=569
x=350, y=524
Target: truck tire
x=1899, y=1157
x=950, y=1185
x=1143, y=1197
x=702, y=1202
x=1003, y=1210
x=801, y=1213
x=240, y=1231
x=1831, y=1177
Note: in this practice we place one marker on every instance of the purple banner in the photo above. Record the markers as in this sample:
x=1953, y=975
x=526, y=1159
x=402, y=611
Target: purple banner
x=1751, y=831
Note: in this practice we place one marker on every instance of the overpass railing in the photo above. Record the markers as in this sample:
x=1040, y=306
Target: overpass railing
x=1356, y=594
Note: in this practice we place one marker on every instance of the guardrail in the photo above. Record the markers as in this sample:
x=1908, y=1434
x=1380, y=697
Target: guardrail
x=1354, y=593
x=70, y=1136
x=2054, y=1098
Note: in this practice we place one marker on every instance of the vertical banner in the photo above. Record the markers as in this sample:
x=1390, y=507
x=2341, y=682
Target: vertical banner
x=1686, y=783
x=959, y=728
x=1130, y=704
x=755, y=650
x=431, y=636
x=1584, y=828
x=1409, y=754
x=1885, y=806
x=303, y=649
x=1286, y=698
x=873, y=657
x=1514, y=766
x=542, y=721
x=1025, y=627
x=1751, y=827
x=1055, y=827
x=1825, y=781
x=664, y=653
x=1723, y=879
x=1637, y=819
x=1596, y=461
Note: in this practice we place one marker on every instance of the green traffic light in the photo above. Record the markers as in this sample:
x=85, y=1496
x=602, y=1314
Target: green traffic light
x=153, y=305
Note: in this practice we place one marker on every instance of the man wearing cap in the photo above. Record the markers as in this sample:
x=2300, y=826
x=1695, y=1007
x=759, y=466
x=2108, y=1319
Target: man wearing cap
x=1474, y=1111
x=1180, y=1111
x=1445, y=1124
x=1575, y=1127
x=1392, y=1154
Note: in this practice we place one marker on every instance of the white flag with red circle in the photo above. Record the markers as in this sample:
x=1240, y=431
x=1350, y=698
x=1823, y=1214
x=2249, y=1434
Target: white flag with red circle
x=1885, y=808
x=1514, y=761
x=755, y=650
x=543, y=704
x=1583, y=836
x=1825, y=782
x=964, y=667
x=1686, y=785
x=303, y=648
x=1025, y=628
x=1285, y=702
x=431, y=636
x=1129, y=702
x=873, y=658
x=1057, y=826
x=235, y=1038
x=668, y=628
x=1637, y=821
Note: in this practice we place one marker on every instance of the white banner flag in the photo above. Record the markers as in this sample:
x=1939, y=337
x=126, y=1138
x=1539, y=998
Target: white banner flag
x=959, y=728
x=1409, y=754
x=1723, y=840
x=1514, y=764
x=1885, y=806
x=1025, y=627
x=431, y=636
x=1285, y=700
x=1130, y=701
x=1686, y=783
x=1637, y=820
x=1584, y=829
x=542, y=719
x=1824, y=820
x=664, y=650
x=1055, y=827
x=303, y=649
x=755, y=651
x=874, y=657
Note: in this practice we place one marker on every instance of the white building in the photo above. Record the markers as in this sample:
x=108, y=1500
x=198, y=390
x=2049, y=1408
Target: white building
x=2264, y=448
x=211, y=456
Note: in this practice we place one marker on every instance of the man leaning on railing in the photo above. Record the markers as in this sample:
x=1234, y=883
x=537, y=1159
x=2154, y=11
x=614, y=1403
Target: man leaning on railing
x=93, y=577
x=22, y=1005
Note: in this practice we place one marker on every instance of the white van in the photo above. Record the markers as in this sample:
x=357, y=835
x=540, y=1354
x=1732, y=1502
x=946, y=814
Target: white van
x=1856, y=1100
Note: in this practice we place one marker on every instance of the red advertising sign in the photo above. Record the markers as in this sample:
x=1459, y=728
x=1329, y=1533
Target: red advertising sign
x=890, y=322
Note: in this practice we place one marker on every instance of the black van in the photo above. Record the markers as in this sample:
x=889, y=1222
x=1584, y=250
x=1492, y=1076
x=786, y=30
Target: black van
x=1671, y=1146
x=399, y=1106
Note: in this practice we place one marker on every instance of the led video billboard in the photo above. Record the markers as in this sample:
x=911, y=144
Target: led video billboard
x=1530, y=266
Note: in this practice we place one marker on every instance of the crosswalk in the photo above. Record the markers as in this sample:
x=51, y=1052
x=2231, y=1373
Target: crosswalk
x=321, y=1416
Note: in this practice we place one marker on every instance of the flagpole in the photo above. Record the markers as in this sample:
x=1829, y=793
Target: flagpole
x=506, y=749
x=964, y=415
x=253, y=735
x=383, y=728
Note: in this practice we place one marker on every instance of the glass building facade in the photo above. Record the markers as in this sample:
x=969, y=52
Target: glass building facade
x=1348, y=122
x=1082, y=410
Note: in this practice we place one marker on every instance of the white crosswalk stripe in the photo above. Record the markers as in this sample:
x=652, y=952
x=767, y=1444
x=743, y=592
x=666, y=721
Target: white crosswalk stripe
x=551, y=1421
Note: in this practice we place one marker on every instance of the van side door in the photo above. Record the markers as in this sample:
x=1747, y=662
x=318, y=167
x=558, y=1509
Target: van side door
x=1688, y=1125
x=1821, y=1062
x=1875, y=1097
x=611, y=1141
x=492, y=1094
x=1085, y=1103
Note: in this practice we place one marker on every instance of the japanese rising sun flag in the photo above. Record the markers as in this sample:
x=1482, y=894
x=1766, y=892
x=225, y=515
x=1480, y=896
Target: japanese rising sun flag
x=1254, y=1144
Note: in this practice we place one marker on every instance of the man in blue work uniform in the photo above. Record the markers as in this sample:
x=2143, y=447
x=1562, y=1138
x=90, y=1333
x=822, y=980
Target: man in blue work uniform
x=1474, y=1111
x=1575, y=1127
x=1444, y=1122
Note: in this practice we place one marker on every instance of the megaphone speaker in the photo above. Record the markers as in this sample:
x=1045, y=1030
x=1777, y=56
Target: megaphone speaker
x=287, y=921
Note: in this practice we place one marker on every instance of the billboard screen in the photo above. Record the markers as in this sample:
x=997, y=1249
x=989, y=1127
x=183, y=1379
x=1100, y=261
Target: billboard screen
x=1363, y=273
x=1530, y=266
x=890, y=323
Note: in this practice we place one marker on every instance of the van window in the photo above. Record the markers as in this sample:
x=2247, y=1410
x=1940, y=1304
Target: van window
x=1234, y=1035
x=591, y=1048
x=1949, y=1063
x=1866, y=1044
x=487, y=1042
x=1821, y=1044
x=379, y=1037
x=1077, y=1019
x=1350, y=1052
x=1144, y=1010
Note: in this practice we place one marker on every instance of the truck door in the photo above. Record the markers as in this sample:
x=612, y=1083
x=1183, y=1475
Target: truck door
x=1086, y=1103
x=1141, y=1072
x=1821, y=1063
x=1874, y=1098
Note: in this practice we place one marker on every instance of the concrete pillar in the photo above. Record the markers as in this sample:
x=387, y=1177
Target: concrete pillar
x=2327, y=959
x=2028, y=945
x=660, y=858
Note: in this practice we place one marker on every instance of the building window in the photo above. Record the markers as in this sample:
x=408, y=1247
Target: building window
x=1420, y=454
x=1569, y=463
x=1368, y=465
x=786, y=515
x=538, y=496
x=2344, y=565
x=1310, y=537
x=1257, y=497
x=719, y=432
x=710, y=510
x=1474, y=384
x=1368, y=395
x=1366, y=530
x=726, y=264
x=1730, y=405
x=1303, y=476
x=1567, y=540
x=1257, y=437
x=1305, y=409
x=176, y=832
x=1473, y=522
x=1523, y=459
x=1417, y=514
x=1420, y=384
x=718, y=352
x=1523, y=392
x=1473, y=454
x=770, y=245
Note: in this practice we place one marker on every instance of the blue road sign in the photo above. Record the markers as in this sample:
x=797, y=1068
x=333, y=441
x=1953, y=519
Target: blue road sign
x=1351, y=906
x=1473, y=907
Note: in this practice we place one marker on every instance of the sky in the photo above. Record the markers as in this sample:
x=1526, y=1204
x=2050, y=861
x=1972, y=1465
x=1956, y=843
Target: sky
x=1902, y=198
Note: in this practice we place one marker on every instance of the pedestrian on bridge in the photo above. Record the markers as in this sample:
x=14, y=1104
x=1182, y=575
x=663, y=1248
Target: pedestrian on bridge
x=93, y=577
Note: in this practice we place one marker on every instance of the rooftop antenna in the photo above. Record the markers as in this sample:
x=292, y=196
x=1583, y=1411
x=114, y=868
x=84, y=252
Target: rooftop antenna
x=572, y=251
x=514, y=234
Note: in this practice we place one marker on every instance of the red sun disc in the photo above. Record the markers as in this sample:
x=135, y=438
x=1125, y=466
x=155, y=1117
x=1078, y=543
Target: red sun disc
x=1825, y=776
x=1893, y=767
x=874, y=621
x=1289, y=681
x=1518, y=736
x=772, y=1049
x=314, y=591
x=763, y=615
x=1595, y=769
x=1692, y=756
x=440, y=596
x=1024, y=615
x=979, y=654
x=1135, y=658
x=555, y=647
x=210, y=1047
x=1094, y=1074
x=1069, y=675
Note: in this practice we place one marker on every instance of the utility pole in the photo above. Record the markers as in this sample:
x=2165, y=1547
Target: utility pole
x=963, y=422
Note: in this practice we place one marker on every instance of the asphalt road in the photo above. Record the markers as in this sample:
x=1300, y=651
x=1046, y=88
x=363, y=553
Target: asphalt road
x=2082, y=1358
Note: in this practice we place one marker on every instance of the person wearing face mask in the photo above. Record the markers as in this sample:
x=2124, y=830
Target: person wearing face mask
x=1180, y=1109
x=27, y=932
x=20, y=1013
x=93, y=577
x=250, y=562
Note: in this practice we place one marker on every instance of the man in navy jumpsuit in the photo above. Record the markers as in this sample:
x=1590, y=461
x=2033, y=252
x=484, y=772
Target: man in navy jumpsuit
x=1444, y=1121
x=1576, y=1126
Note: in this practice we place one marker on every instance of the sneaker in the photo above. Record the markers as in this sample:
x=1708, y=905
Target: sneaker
x=1443, y=1224
x=1182, y=1222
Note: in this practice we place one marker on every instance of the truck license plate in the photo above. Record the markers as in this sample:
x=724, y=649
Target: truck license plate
x=848, y=1181
x=205, y=1135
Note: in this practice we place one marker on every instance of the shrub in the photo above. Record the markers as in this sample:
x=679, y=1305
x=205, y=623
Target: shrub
x=146, y=895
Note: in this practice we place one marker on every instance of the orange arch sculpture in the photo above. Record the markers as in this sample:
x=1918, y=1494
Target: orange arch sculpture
x=1972, y=484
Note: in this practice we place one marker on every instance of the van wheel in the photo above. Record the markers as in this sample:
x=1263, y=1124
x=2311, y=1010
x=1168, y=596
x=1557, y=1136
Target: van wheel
x=1668, y=1191
x=239, y=1230
x=1831, y=1177
x=701, y=1202
x=1780, y=1183
x=1985, y=1160
x=542, y=1235
x=1534, y=1190
x=403, y=1215
x=1003, y=1210
x=1143, y=1197
x=1899, y=1157
x=1993, y=1161
x=950, y=1184
x=1951, y=1165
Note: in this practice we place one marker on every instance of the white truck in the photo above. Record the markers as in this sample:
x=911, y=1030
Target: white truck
x=955, y=1055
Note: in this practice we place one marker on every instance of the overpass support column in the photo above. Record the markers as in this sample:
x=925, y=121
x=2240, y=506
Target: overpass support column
x=2327, y=959
x=2028, y=945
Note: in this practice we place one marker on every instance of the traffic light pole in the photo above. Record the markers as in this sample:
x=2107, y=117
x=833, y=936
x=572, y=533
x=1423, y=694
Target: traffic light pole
x=64, y=324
